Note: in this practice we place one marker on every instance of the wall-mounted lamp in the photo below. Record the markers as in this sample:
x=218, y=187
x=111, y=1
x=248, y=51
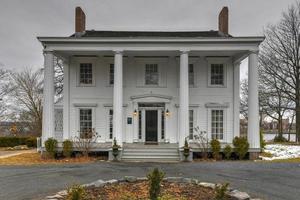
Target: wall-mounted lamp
x=135, y=113
x=167, y=113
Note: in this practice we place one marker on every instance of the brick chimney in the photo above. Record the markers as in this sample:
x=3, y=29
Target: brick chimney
x=223, y=20
x=79, y=21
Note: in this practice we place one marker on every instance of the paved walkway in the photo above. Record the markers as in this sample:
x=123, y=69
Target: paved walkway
x=270, y=181
x=6, y=154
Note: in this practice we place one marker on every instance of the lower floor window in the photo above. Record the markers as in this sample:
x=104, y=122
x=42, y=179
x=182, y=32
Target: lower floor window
x=86, y=123
x=217, y=124
x=110, y=117
x=191, y=124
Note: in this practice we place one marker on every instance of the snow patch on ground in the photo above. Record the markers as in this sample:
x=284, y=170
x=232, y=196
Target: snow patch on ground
x=280, y=151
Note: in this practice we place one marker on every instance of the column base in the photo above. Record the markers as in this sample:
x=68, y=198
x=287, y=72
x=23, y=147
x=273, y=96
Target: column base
x=253, y=155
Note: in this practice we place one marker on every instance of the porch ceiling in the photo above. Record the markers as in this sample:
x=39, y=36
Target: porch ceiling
x=236, y=54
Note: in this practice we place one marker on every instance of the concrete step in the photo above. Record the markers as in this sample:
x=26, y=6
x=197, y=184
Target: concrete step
x=154, y=154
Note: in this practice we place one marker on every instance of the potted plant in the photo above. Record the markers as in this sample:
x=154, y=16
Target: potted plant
x=186, y=150
x=115, y=149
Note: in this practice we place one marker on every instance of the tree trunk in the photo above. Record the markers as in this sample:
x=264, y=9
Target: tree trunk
x=297, y=120
x=280, y=126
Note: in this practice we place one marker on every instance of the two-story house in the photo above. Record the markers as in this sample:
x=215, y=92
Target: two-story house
x=150, y=87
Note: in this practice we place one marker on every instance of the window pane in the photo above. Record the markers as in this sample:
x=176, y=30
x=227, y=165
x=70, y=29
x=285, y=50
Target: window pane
x=191, y=74
x=217, y=124
x=151, y=74
x=85, y=116
x=217, y=74
x=110, y=119
x=111, y=74
x=191, y=124
x=86, y=73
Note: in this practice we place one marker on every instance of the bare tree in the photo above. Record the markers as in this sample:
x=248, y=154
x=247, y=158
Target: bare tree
x=3, y=80
x=244, y=99
x=280, y=57
x=58, y=77
x=25, y=89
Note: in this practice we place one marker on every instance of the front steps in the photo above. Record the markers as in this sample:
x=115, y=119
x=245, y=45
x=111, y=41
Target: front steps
x=151, y=153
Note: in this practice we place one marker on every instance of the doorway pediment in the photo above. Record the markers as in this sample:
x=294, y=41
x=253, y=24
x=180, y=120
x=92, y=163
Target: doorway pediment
x=151, y=98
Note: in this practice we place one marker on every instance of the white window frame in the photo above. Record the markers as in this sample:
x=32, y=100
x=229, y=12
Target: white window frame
x=78, y=118
x=209, y=122
x=210, y=62
x=145, y=75
x=193, y=75
x=109, y=74
x=193, y=131
x=86, y=60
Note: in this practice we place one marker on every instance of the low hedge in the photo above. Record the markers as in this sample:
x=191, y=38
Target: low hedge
x=15, y=141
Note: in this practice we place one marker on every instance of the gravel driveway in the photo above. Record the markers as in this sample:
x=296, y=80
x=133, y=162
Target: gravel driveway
x=276, y=181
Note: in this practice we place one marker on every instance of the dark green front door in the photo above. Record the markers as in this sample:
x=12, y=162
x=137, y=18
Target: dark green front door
x=151, y=126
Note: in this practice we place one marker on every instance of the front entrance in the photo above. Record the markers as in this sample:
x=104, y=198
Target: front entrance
x=151, y=123
x=151, y=126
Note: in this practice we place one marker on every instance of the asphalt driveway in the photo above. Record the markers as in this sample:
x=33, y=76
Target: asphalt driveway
x=276, y=181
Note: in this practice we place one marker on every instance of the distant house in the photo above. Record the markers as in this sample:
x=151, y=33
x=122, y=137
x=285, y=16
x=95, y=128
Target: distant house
x=150, y=87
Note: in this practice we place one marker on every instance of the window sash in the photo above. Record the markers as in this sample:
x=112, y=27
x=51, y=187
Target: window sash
x=217, y=124
x=110, y=124
x=85, y=122
x=191, y=74
x=217, y=74
x=86, y=73
x=111, y=74
x=191, y=124
x=151, y=74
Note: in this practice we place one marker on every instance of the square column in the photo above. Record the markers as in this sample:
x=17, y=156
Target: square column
x=66, y=101
x=183, y=98
x=48, y=106
x=253, y=106
x=118, y=98
x=236, y=99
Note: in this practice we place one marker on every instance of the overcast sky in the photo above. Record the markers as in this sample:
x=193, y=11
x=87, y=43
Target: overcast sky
x=21, y=21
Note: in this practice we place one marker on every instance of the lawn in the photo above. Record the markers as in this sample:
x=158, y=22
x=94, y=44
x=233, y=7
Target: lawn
x=35, y=159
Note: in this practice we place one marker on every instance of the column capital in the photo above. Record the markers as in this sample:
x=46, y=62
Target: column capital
x=47, y=51
x=184, y=51
x=118, y=51
x=254, y=52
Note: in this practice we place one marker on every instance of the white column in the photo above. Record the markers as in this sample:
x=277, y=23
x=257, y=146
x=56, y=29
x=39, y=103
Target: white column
x=118, y=98
x=236, y=100
x=66, y=101
x=253, y=107
x=183, y=98
x=48, y=106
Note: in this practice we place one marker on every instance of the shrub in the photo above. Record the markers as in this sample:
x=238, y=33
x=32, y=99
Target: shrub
x=12, y=141
x=31, y=142
x=155, y=177
x=227, y=151
x=241, y=146
x=280, y=138
x=51, y=145
x=170, y=197
x=76, y=192
x=220, y=191
x=67, y=148
x=215, y=148
x=262, y=141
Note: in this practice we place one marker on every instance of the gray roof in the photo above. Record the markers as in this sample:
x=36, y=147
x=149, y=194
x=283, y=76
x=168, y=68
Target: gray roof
x=93, y=33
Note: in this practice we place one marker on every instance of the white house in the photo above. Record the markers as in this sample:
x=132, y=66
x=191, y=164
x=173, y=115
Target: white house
x=150, y=87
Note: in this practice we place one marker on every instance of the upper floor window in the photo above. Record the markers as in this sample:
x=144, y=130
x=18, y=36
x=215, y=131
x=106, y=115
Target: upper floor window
x=191, y=74
x=111, y=74
x=217, y=124
x=217, y=74
x=151, y=74
x=86, y=73
x=85, y=122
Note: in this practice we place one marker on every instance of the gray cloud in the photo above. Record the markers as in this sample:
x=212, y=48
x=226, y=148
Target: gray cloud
x=21, y=21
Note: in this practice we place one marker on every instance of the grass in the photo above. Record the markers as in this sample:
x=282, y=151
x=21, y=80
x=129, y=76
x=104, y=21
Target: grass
x=289, y=160
x=35, y=159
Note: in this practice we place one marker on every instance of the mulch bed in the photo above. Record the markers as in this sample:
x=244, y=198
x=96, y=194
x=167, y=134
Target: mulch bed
x=139, y=191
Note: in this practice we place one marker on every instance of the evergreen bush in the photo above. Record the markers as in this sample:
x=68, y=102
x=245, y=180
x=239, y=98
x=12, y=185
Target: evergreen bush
x=215, y=148
x=241, y=146
x=155, y=177
x=67, y=148
x=51, y=145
